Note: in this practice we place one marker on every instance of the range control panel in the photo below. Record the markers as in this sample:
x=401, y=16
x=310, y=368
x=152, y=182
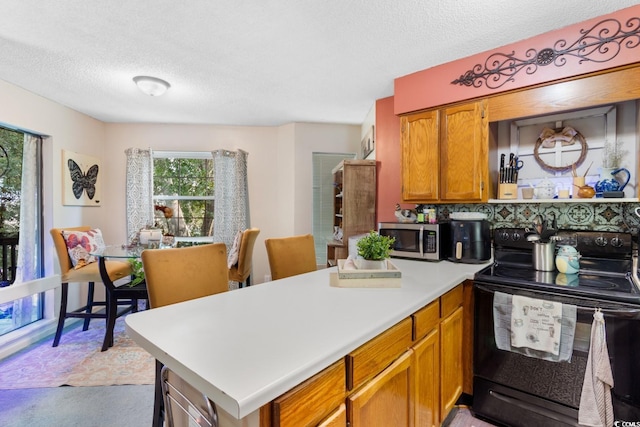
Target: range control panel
x=604, y=244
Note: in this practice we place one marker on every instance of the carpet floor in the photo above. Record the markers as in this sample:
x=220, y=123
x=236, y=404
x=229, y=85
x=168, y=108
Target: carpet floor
x=112, y=406
x=113, y=388
x=78, y=361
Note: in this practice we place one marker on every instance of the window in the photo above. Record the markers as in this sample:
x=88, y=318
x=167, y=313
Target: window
x=183, y=182
x=23, y=311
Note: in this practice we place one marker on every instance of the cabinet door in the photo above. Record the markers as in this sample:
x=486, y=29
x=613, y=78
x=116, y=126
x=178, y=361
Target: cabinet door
x=464, y=157
x=336, y=419
x=426, y=355
x=451, y=367
x=420, y=157
x=386, y=400
x=311, y=401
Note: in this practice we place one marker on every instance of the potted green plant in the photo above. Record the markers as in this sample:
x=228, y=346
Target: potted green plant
x=374, y=250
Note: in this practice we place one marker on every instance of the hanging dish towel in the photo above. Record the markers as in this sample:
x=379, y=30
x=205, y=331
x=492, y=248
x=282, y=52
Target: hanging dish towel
x=535, y=324
x=502, y=330
x=596, y=409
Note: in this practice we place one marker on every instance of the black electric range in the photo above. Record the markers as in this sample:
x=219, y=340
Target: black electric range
x=523, y=390
x=605, y=265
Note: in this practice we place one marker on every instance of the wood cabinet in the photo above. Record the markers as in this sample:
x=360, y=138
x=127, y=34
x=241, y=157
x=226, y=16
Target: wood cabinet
x=427, y=385
x=445, y=155
x=386, y=400
x=337, y=419
x=439, y=357
x=451, y=370
x=411, y=374
x=313, y=400
x=354, y=206
x=371, y=358
x=420, y=156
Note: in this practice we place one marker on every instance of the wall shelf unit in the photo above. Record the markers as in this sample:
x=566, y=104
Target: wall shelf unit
x=354, y=207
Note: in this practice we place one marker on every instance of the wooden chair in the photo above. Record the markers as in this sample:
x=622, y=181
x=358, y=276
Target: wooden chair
x=175, y=275
x=289, y=256
x=90, y=274
x=241, y=271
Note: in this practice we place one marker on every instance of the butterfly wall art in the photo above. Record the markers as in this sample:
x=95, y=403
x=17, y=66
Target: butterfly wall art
x=80, y=179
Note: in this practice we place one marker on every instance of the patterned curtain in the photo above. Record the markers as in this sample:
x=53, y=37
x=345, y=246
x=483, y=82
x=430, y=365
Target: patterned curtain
x=231, y=212
x=139, y=195
x=27, y=267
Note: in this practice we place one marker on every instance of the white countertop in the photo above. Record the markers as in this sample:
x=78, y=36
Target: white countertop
x=246, y=347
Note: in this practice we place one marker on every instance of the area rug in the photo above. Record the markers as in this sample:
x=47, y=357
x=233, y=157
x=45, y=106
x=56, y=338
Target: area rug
x=78, y=361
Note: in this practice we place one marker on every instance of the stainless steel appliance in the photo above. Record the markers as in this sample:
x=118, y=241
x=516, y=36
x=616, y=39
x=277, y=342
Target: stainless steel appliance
x=470, y=241
x=519, y=390
x=429, y=242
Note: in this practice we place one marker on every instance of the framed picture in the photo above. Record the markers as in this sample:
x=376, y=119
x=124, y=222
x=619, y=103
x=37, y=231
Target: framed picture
x=367, y=144
x=81, y=176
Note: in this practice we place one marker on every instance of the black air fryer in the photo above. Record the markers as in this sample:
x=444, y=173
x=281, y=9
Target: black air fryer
x=470, y=241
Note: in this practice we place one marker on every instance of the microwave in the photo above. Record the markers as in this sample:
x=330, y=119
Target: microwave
x=428, y=242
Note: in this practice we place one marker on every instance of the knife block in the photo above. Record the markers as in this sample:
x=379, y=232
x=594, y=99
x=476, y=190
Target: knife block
x=507, y=191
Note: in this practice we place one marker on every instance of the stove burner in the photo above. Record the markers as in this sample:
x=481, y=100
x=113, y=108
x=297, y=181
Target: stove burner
x=606, y=286
x=604, y=265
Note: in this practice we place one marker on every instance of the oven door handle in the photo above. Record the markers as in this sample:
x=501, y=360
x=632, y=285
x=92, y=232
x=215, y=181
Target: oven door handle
x=618, y=309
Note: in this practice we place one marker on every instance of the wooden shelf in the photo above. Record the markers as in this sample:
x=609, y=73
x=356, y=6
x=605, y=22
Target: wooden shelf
x=592, y=200
x=353, y=204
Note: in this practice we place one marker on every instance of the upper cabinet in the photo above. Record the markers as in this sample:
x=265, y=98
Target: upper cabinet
x=420, y=156
x=445, y=155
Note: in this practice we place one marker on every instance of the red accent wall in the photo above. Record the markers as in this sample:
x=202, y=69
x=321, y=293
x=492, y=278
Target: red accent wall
x=432, y=87
x=388, y=161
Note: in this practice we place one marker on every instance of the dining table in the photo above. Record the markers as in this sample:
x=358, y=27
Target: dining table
x=120, y=289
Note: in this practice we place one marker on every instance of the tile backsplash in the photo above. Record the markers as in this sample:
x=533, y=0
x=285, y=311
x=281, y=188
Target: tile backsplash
x=616, y=216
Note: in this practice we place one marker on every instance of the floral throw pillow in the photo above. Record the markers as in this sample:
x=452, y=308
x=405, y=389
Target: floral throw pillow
x=232, y=258
x=80, y=244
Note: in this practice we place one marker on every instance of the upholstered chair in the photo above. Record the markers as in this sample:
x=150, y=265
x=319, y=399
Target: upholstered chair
x=289, y=256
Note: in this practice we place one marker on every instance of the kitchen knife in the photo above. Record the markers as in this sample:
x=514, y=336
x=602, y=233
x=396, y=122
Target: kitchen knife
x=502, y=168
x=510, y=169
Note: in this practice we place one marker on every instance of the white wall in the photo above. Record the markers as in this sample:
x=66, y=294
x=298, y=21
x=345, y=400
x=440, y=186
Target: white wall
x=279, y=165
x=264, y=169
x=69, y=130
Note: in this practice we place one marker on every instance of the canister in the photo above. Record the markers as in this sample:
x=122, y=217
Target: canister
x=544, y=256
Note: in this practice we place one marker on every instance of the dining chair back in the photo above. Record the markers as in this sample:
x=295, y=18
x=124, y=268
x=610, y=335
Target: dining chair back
x=289, y=256
x=175, y=275
x=241, y=271
x=179, y=274
x=89, y=274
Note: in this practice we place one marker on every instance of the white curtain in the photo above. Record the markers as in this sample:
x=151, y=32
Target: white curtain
x=139, y=196
x=27, y=263
x=231, y=212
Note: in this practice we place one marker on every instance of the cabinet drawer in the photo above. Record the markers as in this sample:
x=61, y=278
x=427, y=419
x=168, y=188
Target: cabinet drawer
x=311, y=401
x=371, y=358
x=425, y=320
x=450, y=301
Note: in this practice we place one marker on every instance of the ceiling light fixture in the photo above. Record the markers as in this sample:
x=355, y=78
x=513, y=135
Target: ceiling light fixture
x=152, y=86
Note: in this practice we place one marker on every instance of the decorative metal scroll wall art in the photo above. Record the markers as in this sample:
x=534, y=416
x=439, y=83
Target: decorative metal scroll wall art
x=566, y=136
x=600, y=43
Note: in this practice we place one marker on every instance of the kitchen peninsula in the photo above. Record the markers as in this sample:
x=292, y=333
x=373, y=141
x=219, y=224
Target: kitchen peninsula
x=247, y=347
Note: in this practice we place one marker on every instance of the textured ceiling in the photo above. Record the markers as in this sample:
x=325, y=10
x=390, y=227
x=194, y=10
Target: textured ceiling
x=253, y=62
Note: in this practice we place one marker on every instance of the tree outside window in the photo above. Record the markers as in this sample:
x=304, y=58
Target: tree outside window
x=183, y=195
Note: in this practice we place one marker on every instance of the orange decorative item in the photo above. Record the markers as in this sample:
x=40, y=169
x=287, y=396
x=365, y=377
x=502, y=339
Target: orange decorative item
x=586, y=192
